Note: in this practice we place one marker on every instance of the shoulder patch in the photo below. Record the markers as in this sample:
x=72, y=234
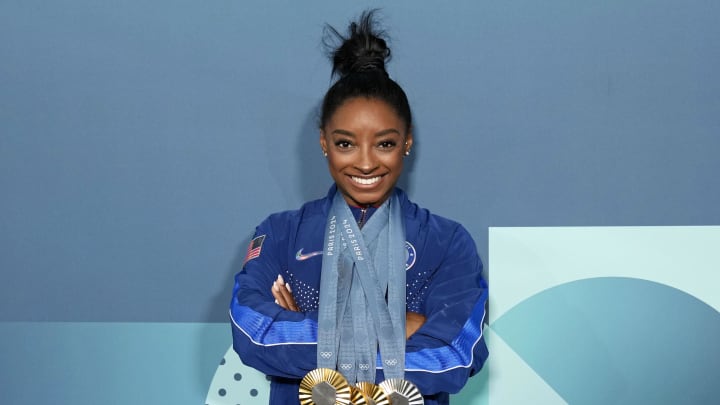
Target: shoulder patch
x=410, y=255
x=254, y=248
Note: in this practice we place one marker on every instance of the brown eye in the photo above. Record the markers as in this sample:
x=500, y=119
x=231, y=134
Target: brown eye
x=342, y=144
x=387, y=145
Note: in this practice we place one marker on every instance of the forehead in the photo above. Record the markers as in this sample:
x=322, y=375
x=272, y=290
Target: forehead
x=366, y=113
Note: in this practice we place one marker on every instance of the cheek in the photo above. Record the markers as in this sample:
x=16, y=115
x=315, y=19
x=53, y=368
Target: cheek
x=336, y=162
x=394, y=161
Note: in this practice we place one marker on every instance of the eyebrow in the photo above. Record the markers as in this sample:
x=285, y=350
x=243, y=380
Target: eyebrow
x=378, y=134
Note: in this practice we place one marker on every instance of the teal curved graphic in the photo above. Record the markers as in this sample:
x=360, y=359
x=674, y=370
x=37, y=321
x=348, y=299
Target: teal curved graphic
x=618, y=341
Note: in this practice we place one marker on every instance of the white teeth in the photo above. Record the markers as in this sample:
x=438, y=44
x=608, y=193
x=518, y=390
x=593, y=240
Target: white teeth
x=366, y=182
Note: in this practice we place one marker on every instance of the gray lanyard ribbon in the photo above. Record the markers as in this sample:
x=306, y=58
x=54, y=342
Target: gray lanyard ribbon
x=354, y=317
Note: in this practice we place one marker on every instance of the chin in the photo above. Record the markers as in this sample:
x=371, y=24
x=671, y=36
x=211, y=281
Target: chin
x=362, y=199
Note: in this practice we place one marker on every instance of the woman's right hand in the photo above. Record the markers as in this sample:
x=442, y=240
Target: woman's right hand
x=282, y=293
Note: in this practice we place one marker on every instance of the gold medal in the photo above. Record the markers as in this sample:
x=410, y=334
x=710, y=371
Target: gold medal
x=323, y=386
x=376, y=395
x=402, y=392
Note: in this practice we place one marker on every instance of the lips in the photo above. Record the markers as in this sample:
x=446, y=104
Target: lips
x=365, y=181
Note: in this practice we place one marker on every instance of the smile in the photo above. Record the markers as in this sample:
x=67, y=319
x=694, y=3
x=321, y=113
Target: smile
x=364, y=181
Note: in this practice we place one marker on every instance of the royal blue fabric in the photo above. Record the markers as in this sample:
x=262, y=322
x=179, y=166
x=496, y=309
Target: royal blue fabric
x=444, y=283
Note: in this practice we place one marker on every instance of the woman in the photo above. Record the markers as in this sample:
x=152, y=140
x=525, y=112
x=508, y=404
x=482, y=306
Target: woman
x=401, y=293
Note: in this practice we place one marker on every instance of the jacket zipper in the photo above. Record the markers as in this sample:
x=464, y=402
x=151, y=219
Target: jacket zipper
x=361, y=221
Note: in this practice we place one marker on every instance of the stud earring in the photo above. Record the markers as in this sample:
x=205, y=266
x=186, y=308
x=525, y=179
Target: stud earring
x=324, y=153
x=407, y=152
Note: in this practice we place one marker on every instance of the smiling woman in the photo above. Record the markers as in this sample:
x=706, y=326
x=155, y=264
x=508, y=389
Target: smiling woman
x=362, y=287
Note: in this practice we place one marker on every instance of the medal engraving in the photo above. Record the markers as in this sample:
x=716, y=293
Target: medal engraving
x=323, y=394
x=398, y=399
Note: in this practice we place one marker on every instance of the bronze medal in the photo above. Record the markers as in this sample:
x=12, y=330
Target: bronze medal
x=324, y=386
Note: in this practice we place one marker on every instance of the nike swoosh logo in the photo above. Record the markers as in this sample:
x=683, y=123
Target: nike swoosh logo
x=299, y=256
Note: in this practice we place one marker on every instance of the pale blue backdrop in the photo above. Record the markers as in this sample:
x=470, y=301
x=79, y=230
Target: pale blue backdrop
x=142, y=142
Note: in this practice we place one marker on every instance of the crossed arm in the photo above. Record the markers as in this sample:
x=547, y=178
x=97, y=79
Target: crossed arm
x=282, y=292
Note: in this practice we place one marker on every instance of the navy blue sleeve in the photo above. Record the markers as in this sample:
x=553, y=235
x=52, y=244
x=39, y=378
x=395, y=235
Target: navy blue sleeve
x=450, y=347
x=267, y=337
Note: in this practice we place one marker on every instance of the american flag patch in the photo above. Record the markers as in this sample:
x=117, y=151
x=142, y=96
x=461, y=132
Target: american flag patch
x=255, y=248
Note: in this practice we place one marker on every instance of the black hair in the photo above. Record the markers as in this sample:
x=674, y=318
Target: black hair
x=359, y=61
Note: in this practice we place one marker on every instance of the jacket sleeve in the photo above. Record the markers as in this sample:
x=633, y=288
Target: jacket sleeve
x=267, y=337
x=450, y=347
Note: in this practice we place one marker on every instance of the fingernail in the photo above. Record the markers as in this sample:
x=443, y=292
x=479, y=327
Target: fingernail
x=275, y=287
x=281, y=280
x=288, y=287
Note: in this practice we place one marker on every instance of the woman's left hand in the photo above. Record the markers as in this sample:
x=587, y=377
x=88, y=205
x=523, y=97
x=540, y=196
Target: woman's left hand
x=413, y=322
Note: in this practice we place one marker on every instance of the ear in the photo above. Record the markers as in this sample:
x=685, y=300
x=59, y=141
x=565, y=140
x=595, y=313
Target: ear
x=408, y=142
x=323, y=142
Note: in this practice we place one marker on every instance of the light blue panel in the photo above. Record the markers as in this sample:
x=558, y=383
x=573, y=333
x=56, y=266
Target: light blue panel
x=622, y=315
x=531, y=260
x=109, y=363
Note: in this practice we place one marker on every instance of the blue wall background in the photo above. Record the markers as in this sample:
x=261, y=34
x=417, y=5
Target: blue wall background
x=141, y=143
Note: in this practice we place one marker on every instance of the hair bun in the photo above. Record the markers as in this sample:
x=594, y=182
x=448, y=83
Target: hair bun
x=363, y=50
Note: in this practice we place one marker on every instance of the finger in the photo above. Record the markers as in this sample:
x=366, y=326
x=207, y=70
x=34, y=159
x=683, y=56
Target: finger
x=279, y=298
x=281, y=282
x=283, y=295
x=288, y=297
x=293, y=304
x=287, y=293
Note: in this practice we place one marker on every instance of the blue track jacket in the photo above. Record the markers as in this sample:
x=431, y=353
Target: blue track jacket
x=444, y=283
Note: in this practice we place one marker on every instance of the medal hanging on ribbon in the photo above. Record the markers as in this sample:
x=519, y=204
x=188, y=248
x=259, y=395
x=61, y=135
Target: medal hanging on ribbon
x=348, y=335
x=323, y=386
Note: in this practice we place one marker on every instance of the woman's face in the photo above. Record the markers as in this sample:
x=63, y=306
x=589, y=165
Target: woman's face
x=365, y=141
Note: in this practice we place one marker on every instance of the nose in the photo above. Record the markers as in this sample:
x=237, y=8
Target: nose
x=367, y=161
